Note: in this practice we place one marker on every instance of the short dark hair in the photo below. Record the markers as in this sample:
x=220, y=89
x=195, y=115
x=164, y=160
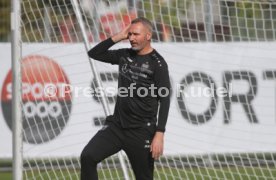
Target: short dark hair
x=144, y=21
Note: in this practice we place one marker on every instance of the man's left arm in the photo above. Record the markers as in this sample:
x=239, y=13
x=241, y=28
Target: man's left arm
x=162, y=81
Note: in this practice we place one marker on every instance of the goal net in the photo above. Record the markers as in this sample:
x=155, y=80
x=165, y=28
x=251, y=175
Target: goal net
x=221, y=58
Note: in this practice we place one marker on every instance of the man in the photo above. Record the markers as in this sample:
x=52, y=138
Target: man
x=133, y=127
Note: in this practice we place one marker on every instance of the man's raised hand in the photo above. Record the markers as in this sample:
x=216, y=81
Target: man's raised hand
x=122, y=35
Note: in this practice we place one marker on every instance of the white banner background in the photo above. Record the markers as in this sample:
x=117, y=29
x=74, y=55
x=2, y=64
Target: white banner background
x=182, y=137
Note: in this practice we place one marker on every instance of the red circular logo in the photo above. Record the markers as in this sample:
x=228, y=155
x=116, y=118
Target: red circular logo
x=46, y=99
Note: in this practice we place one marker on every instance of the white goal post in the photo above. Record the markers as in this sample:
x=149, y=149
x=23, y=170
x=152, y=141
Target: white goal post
x=221, y=59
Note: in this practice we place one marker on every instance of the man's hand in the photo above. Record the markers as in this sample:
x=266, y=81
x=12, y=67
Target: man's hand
x=121, y=35
x=157, y=145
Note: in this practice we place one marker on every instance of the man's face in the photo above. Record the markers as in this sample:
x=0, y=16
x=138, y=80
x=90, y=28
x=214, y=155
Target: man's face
x=139, y=36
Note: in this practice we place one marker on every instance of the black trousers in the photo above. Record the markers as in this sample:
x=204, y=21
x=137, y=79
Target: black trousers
x=111, y=139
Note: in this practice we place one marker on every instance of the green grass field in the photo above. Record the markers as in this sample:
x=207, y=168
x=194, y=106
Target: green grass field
x=5, y=175
x=225, y=166
x=191, y=174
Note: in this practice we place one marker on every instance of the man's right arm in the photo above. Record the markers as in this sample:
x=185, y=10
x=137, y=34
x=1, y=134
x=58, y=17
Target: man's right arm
x=100, y=51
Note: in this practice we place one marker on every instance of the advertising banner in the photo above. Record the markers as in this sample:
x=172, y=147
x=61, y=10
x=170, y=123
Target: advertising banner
x=223, y=98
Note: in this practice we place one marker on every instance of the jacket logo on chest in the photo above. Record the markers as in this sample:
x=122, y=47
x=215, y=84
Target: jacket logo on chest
x=146, y=66
x=125, y=68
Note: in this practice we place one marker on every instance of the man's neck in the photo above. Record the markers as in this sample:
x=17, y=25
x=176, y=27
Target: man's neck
x=145, y=51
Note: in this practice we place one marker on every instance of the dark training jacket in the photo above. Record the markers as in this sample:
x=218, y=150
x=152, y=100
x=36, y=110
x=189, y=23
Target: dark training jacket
x=144, y=72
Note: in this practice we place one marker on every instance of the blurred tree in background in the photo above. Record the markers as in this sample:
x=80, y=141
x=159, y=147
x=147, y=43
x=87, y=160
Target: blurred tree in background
x=164, y=14
x=5, y=10
x=241, y=20
x=167, y=12
x=251, y=20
